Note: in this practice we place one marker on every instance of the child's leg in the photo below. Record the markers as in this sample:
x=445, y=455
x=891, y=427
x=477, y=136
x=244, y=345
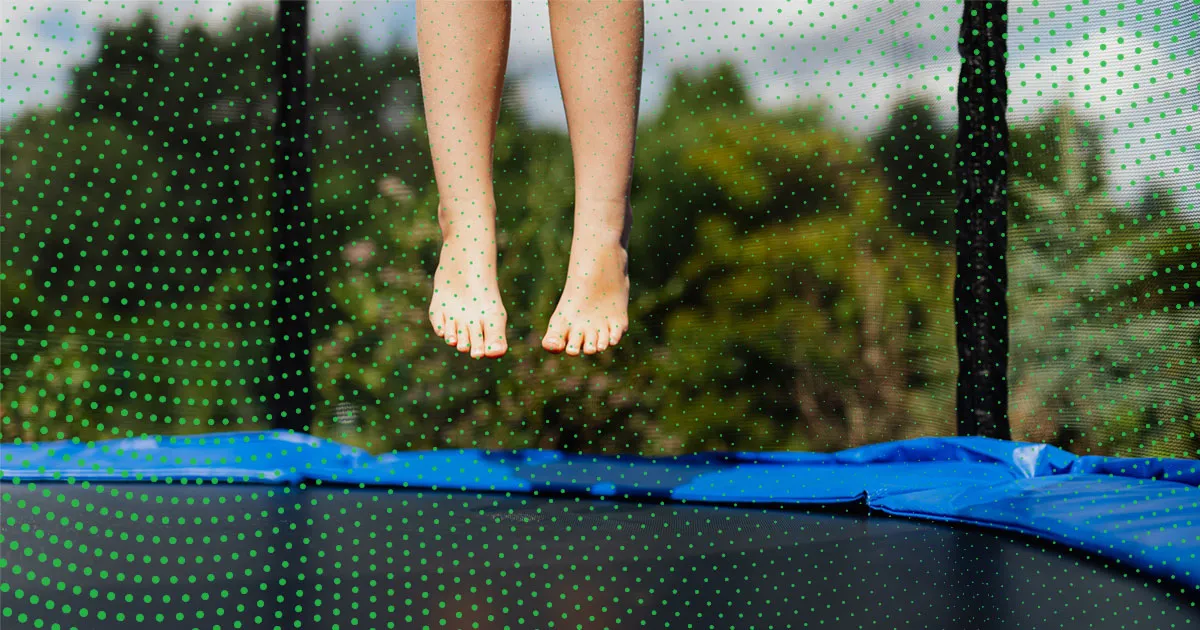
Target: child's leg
x=462, y=52
x=598, y=52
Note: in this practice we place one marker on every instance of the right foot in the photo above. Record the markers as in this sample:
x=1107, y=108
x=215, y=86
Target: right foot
x=466, y=309
x=592, y=313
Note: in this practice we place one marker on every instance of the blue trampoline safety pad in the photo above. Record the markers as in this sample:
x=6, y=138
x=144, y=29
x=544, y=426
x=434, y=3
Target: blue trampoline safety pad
x=1144, y=513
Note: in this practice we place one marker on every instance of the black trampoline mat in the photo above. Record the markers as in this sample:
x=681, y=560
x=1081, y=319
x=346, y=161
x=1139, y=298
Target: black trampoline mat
x=174, y=556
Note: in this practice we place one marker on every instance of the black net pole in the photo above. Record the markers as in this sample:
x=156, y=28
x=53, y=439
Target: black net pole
x=292, y=389
x=980, y=304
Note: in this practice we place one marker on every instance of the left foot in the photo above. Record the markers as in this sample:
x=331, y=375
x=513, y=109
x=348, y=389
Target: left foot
x=592, y=313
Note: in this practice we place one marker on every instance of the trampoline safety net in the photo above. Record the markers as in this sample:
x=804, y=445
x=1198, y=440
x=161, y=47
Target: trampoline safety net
x=566, y=314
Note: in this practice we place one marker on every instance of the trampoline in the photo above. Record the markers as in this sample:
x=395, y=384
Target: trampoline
x=272, y=529
x=223, y=408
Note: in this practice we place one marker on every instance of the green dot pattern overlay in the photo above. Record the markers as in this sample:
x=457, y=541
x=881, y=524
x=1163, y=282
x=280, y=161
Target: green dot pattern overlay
x=791, y=268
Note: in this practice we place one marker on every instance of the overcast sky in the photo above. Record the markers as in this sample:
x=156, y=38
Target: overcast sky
x=1132, y=69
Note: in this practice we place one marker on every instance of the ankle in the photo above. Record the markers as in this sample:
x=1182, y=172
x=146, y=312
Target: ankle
x=606, y=220
x=474, y=251
x=477, y=222
x=467, y=238
x=589, y=236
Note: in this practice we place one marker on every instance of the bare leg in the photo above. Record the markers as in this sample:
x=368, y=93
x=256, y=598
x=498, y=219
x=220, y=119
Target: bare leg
x=598, y=52
x=462, y=52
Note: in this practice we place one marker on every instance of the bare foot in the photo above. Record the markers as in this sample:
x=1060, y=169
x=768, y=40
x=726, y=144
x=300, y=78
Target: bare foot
x=592, y=313
x=466, y=308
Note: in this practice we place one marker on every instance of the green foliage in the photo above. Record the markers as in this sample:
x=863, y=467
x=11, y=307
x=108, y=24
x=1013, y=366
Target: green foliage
x=1104, y=327
x=792, y=287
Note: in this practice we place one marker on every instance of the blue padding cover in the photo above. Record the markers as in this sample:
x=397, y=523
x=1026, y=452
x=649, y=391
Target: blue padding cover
x=1151, y=525
x=1026, y=460
x=1180, y=470
x=438, y=470
x=1144, y=513
x=241, y=457
x=835, y=483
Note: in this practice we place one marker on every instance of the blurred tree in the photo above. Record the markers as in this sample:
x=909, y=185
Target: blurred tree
x=800, y=315
x=141, y=207
x=791, y=286
x=916, y=153
x=1104, y=333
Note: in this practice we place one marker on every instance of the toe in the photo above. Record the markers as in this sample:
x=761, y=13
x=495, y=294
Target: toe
x=450, y=331
x=494, y=342
x=615, y=331
x=463, y=334
x=438, y=321
x=477, y=342
x=589, y=341
x=602, y=339
x=574, y=340
x=556, y=336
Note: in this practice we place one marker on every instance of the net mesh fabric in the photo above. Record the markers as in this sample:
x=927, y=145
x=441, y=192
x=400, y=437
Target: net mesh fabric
x=792, y=271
